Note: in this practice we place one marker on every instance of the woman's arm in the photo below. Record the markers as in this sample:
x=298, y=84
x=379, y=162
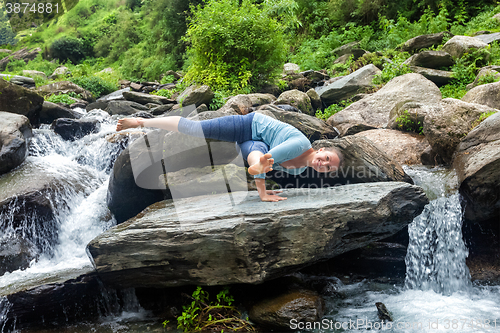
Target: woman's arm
x=264, y=194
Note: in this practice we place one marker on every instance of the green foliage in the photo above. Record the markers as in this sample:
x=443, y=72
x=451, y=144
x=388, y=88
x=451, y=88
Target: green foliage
x=332, y=109
x=163, y=92
x=482, y=117
x=203, y=315
x=167, y=79
x=69, y=48
x=456, y=90
x=61, y=98
x=95, y=84
x=488, y=78
x=407, y=124
x=282, y=84
x=233, y=45
x=219, y=100
x=393, y=69
x=15, y=65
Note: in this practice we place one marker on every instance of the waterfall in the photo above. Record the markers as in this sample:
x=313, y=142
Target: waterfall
x=436, y=254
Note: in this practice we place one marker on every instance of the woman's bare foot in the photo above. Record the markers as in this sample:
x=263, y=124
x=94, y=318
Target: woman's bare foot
x=125, y=123
x=264, y=165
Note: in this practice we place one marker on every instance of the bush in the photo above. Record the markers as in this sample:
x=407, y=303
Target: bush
x=69, y=48
x=95, y=84
x=61, y=98
x=332, y=109
x=163, y=92
x=233, y=45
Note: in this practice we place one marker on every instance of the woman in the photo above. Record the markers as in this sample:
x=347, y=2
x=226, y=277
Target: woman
x=265, y=143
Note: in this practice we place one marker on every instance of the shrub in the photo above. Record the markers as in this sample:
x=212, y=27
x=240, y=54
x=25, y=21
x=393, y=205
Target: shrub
x=69, y=48
x=61, y=98
x=393, y=69
x=95, y=84
x=163, y=92
x=333, y=109
x=233, y=45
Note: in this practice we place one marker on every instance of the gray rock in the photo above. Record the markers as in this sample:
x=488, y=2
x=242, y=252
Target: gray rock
x=487, y=70
x=60, y=71
x=486, y=94
x=430, y=59
x=22, y=54
x=449, y=123
x=424, y=41
x=16, y=99
x=477, y=161
x=114, y=95
x=196, y=95
x=16, y=253
x=296, y=98
x=124, y=107
x=315, y=76
x=72, y=129
x=315, y=99
x=489, y=38
x=350, y=49
x=5, y=51
x=143, y=98
x=290, y=68
x=100, y=105
x=15, y=134
x=252, y=241
x=51, y=111
x=374, y=110
x=342, y=59
x=348, y=86
x=64, y=87
x=437, y=76
x=404, y=148
x=161, y=109
x=458, y=45
x=22, y=81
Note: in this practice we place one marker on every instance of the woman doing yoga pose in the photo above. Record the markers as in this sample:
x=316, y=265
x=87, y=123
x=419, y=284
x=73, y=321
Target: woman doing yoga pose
x=265, y=143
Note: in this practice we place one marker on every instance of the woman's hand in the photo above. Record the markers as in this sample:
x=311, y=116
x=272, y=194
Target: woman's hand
x=271, y=196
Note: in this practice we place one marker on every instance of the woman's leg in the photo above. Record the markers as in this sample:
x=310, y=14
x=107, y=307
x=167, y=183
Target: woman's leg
x=257, y=156
x=167, y=123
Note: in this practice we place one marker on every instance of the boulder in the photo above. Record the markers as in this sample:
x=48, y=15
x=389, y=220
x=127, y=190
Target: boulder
x=350, y=49
x=216, y=243
x=52, y=111
x=241, y=104
x=73, y=129
x=280, y=311
x=114, y=95
x=143, y=98
x=430, y=59
x=459, y=45
x=22, y=54
x=60, y=71
x=485, y=94
x=489, y=38
x=64, y=87
x=439, y=77
x=484, y=71
x=16, y=99
x=16, y=253
x=196, y=95
x=15, y=133
x=315, y=76
x=290, y=68
x=449, y=123
x=5, y=51
x=477, y=162
x=374, y=110
x=35, y=73
x=312, y=127
x=315, y=99
x=298, y=99
x=124, y=107
x=348, y=86
x=423, y=41
x=402, y=147
x=23, y=81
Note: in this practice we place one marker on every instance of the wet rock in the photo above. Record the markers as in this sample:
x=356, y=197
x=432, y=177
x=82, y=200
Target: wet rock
x=348, y=86
x=485, y=94
x=52, y=111
x=449, y=123
x=64, y=87
x=424, y=41
x=16, y=253
x=15, y=134
x=23, y=54
x=458, y=45
x=124, y=107
x=280, y=311
x=196, y=95
x=298, y=99
x=404, y=148
x=19, y=100
x=143, y=99
x=254, y=241
x=431, y=59
x=374, y=110
x=477, y=161
x=73, y=129
x=439, y=77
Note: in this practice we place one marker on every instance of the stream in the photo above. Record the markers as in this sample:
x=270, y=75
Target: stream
x=437, y=295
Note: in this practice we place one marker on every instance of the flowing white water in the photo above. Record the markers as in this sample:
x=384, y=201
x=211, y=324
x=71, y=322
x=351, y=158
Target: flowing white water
x=438, y=295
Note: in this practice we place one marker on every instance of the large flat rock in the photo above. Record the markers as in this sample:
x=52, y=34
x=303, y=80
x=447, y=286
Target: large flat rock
x=208, y=241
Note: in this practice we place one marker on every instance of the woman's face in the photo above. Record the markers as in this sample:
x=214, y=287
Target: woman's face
x=325, y=161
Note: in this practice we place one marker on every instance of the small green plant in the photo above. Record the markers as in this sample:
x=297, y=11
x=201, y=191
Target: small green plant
x=219, y=100
x=489, y=77
x=95, y=84
x=282, y=84
x=407, y=124
x=203, y=315
x=482, y=117
x=333, y=109
x=167, y=79
x=393, y=69
x=163, y=92
x=61, y=98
